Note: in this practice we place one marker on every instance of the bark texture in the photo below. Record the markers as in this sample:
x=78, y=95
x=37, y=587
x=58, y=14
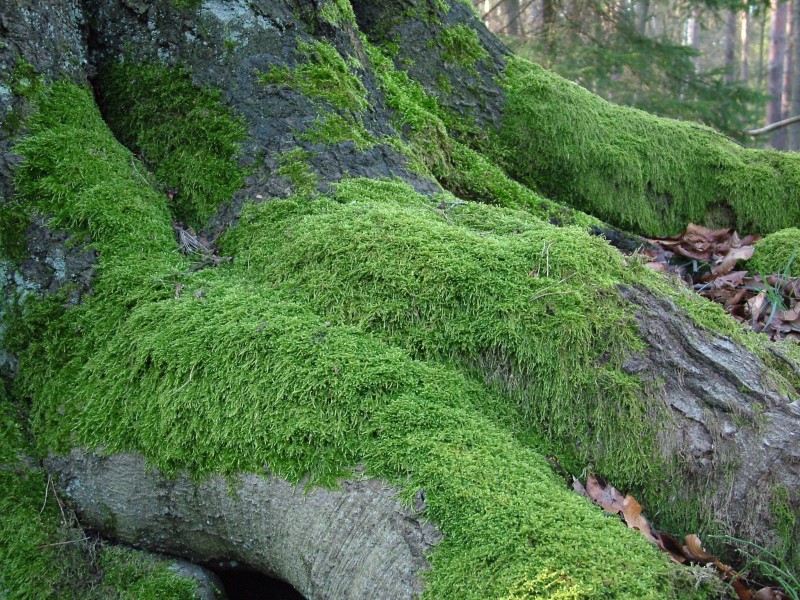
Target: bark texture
x=723, y=411
x=355, y=542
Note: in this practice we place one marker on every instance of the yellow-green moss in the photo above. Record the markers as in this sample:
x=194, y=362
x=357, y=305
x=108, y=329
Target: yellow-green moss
x=460, y=46
x=634, y=170
x=777, y=253
x=322, y=75
x=458, y=168
x=294, y=165
x=283, y=359
x=337, y=12
x=185, y=134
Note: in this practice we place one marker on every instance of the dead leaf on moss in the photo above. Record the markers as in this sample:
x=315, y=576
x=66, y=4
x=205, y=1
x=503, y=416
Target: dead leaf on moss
x=630, y=511
x=704, y=259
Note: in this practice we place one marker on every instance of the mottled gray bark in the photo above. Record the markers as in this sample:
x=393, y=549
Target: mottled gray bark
x=723, y=410
x=355, y=542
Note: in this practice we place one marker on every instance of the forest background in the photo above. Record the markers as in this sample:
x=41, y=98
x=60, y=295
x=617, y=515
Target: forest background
x=730, y=64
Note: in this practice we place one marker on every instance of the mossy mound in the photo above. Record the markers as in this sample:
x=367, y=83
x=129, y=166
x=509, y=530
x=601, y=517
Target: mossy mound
x=532, y=307
x=634, y=170
x=283, y=360
x=777, y=253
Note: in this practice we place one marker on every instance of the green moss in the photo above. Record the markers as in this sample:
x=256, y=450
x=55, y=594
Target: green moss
x=460, y=46
x=777, y=253
x=294, y=165
x=370, y=332
x=324, y=75
x=459, y=169
x=520, y=293
x=337, y=12
x=334, y=128
x=25, y=83
x=634, y=170
x=13, y=224
x=185, y=134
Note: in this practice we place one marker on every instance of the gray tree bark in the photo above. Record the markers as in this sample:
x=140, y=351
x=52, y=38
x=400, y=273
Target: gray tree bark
x=352, y=543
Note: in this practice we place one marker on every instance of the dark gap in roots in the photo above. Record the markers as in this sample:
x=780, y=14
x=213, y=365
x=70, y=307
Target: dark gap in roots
x=247, y=584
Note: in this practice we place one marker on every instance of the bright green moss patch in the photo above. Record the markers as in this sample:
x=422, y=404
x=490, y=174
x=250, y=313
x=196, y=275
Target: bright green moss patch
x=345, y=334
x=323, y=75
x=777, y=253
x=531, y=305
x=337, y=12
x=634, y=170
x=294, y=165
x=460, y=46
x=186, y=135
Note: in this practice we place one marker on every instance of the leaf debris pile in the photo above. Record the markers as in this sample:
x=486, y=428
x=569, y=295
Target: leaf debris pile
x=705, y=260
x=612, y=501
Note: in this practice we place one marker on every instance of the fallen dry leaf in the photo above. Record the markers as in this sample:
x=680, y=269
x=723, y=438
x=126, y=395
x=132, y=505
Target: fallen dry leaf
x=630, y=511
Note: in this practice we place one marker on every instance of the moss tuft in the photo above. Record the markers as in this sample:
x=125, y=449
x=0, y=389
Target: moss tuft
x=334, y=128
x=634, y=170
x=460, y=46
x=337, y=12
x=185, y=134
x=324, y=75
x=777, y=253
x=14, y=223
x=294, y=165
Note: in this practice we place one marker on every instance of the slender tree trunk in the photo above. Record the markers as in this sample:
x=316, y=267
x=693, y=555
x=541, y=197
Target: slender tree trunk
x=744, y=37
x=794, y=88
x=730, y=46
x=761, y=43
x=642, y=16
x=692, y=37
x=777, y=51
x=788, y=61
x=513, y=18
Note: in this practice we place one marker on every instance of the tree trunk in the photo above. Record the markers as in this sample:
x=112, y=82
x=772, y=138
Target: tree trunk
x=692, y=38
x=642, y=16
x=777, y=53
x=513, y=17
x=730, y=46
x=744, y=32
x=794, y=103
x=420, y=349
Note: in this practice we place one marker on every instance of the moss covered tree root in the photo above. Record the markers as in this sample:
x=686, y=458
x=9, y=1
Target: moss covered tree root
x=362, y=331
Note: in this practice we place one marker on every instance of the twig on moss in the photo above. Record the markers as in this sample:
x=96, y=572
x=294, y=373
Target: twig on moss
x=43, y=546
